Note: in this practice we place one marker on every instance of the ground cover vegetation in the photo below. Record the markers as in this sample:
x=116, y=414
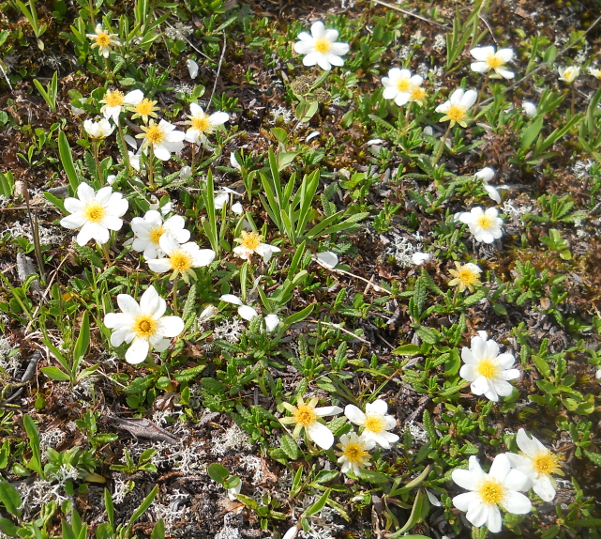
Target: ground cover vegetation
x=299, y=270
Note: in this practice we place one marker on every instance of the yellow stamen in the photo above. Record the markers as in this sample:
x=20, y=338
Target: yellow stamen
x=355, y=453
x=487, y=368
x=491, y=491
x=201, y=123
x=144, y=326
x=485, y=221
x=94, y=212
x=103, y=40
x=181, y=261
x=467, y=276
x=114, y=98
x=250, y=240
x=154, y=134
x=322, y=45
x=145, y=107
x=403, y=85
x=417, y=93
x=493, y=61
x=456, y=113
x=375, y=423
x=545, y=463
x=305, y=415
x=155, y=233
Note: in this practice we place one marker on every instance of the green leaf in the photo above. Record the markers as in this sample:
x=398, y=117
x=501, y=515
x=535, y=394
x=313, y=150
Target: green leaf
x=10, y=498
x=83, y=341
x=35, y=463
x=318, y=505
x=158, y=532
x=110, y=508
x=144, y=505
x=9, y=528
x=218, y=473
x=299, y=316
x=414, y=517
x=66, y=156
x=290, y=447
x=55, y=374
x=530, y=133
x=407, y=350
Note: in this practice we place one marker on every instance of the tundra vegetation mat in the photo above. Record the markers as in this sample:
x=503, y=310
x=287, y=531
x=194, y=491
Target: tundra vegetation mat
x=300, y=269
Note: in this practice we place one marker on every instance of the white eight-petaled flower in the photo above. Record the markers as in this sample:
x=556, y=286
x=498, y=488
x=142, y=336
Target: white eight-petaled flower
x=250, y=243
x=94, y=213
x=149, y=229
x=489, y=59
x=375, y=422
x=537, y=463
x=162, y=138
x=355, y=452
x=320, y=47
x=201, y=124
x=486, y=225
x=399, y=85
x=486, y=369
x=490, y=490
x=143, y=325
x=456, y=108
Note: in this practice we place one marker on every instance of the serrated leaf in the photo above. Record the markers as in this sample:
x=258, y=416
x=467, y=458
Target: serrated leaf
x=290, y=447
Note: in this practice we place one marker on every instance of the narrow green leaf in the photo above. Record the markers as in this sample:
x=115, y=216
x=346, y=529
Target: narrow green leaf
x=66, y=156
x=144, y=505
x=10, y=497
x=318, y=505
x=55, y=374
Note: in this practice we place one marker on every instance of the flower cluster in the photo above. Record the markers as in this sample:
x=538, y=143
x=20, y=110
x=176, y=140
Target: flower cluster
x=354, y=448
x=509, y=475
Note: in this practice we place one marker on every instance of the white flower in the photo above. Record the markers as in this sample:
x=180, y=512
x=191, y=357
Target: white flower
x=490, y=490
x=98, y=130
x=192, y=68
x=182, y=259
x=466, y=276
x=354, y=456
x=94, y=213
x=202, y=124
x=305, y=416
x=419, y=258
x=537, y=463
x=272, y=321
x=223, y=195
x=399, y=84
x=487, y=174
x=234, y=162
x=595, y=72
x=328, y=259
x=149, y=230
x=237, y=208
x=568, y=74
x=456, y=108
x=142, y=325
x=489, y=59
x=486, y=369
x=245, y=311
x=529, y=108
x=103, y=40
x=375, y=422
x=162, y=138
x=486, y=226
x=250, y=243
x=321, y=47
x=115, y=100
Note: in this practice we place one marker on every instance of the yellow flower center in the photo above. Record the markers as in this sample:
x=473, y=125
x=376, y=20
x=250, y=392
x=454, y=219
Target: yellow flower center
x=305, y=415
x=155, y=233
x=181, y=261
x=103, y=39
x=145, y=107
x=567, y=74
x=485, y=221
x=155, y=134
x=201, y=123
x=403, y=85
x=487, y=368
x=250, y=240
x=322, y=45
x=375, y=423
x=417, y=93
x=354, y=453
x=456, y=113
x=491, y=491
x=467, y=276
x=493, y=61
x=114, y=98
x=144, y=326
x=545, y=463
x=94, y=212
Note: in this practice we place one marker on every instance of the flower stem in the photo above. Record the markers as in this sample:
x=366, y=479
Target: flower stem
x=92, y=16
x=442, y=145
x=480, y=93
x=193, y=158
x=107, y=253
x=151, y=168
x=573, y=97
x=175, y=283
x=97, y=159
x=125, y=154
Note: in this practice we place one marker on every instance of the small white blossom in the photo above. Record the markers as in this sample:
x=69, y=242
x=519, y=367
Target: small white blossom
x=149, y=230
x=181, y=259
x=375, y=422
x=250, y=243
x=398, y=85
x=103, y=40
x=144, y=325
x=94, y=213
x=486, y=369
x=202, y=124
x=162, y=138
x=115, y=100
x=355, y=452
x=486, y=226
x=529, y=108
x=490, y=490
x=568, y=74
x=320, y=47
x=98, y=130
x=489, y=59
x=456, y=108
x=595, y=72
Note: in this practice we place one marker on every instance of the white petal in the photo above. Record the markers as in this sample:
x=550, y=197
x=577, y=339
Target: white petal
x=171, y=326
x=492, y=193
x=192, y=68
x=485, y=174
x=543, y=486
x=500, y=467
x=159, y=265
x=465, y=479
x=480, y=386
x=247, y=312
x=494, y=522
x=463, y=501
x=377, y=407
x=328, y=259
x=354, y=415
x=137, y=352
x=318, y=29
x=230, y=298
x=75, y=220
x=516, y=503
x=327, y=410
x=272, y=321
x=482, y=53
x=515, y=479
x=480, y=67
x=321, y=435
x=477, y=513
